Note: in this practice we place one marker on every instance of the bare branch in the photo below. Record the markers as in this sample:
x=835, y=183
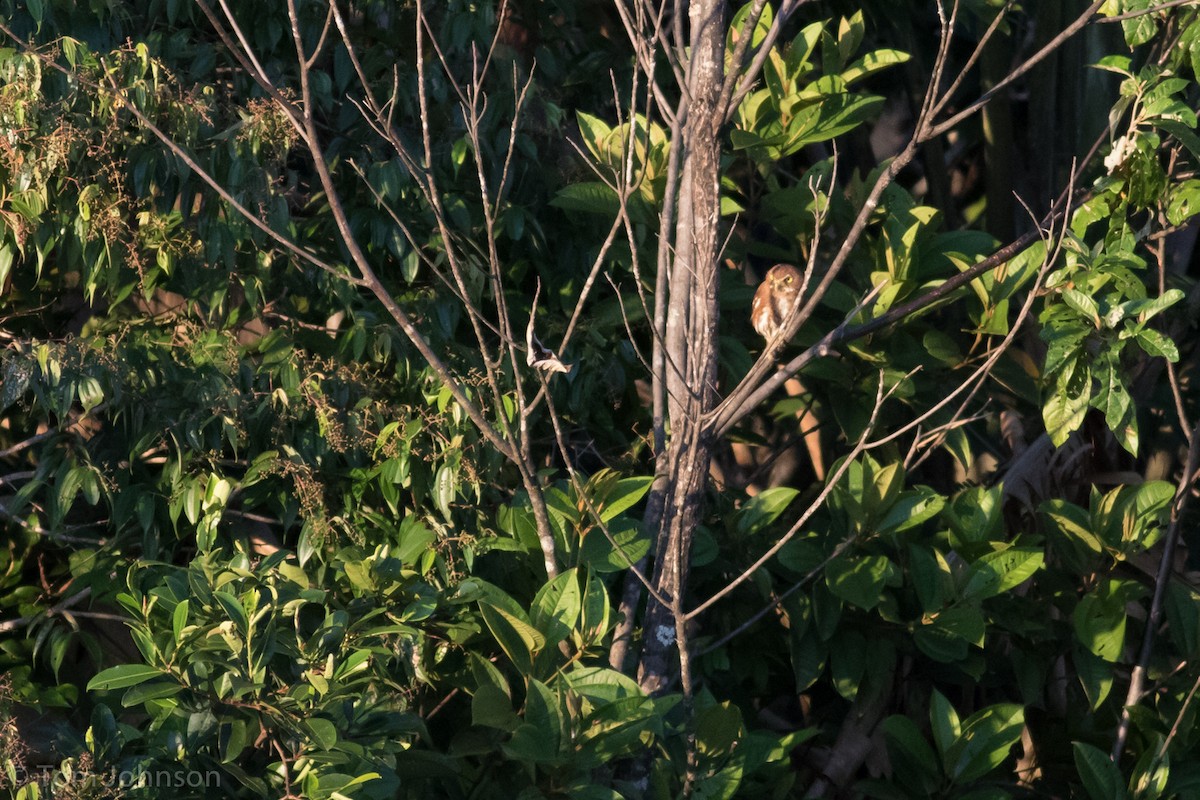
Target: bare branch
x=817, y=503
x=1075, y=27
x=1166, y=568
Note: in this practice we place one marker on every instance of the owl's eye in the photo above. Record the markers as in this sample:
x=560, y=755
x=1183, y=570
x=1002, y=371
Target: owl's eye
x=787, y=278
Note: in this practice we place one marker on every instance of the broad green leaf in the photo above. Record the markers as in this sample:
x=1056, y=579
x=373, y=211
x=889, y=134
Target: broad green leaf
x=602, y=684
x=1065, y=409
x=737, y=26
x=556, y=607
x=590, y=197
x=123, y=676
x=1156, y=344
x=595, y=132
x=946, y=635
x=872, y=63
x=414, y=539
x=1139, y=29
x=601, y=554
x=913, y=761
x=930, y=575
x=847, y=663
x=911, y=509
x=520, y=640
x=1083, y=304
x=537, y=739
x=1095, y=677
x=1101, y=777
x=997, y=572
x=232, y=740
x=594, y=610
x=1185, y=204
x=233, y=610
x=719, y=728
x=1183, y=617
x=323, y=732
x=763, y=509
x=987, y=736
x=859, y=580
x=1100, y=623
x=179, y=619
x=145, y=692
x=850, y=35
x=943, y=721
x=492, y=708
x=623, y=496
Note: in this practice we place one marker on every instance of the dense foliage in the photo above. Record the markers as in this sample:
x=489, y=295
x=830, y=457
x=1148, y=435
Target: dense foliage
x=289, y=509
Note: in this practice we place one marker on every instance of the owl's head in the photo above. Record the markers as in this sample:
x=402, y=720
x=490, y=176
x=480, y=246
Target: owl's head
x=784, y=278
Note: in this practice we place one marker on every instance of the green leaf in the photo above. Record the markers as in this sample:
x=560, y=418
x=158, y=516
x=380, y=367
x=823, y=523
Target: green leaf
x=492, y=708
x=602, y=684
x=591, y=197
x=323, y=732
x=914, y=763
x=1156, y=344
x=123, y=676
x=414, y=540
x=1083, y=304
x=594, y=610
x=556, y=607
x=595, y=132
x=1114, y=401
x=537, y=739
x=738, y=25
x=930, y=575
x=1064, y=411
x=145, y=692
x=520, y=640
x=943, y=721
x=850, y=35
x=719, y=728
x=1140, y=29
x=624, y=495
x=1095, y=676
x=232, y=740
x=873, y=62
x=233, y=609
x=859, y=580
x=911, y=509
x=1185, y=204
x=987, y=736
x=763, y=509
x=601, y=555
x=444, y=489
x=847, y=663
x=997, y=572
x=1100, y=622
x=1101, y=777
x=946, y=635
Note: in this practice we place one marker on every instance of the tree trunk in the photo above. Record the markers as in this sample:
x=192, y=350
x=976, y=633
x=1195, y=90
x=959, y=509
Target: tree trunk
x=691, y=342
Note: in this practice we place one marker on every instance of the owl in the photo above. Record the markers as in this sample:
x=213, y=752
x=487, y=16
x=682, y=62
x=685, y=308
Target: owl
x=775, y=300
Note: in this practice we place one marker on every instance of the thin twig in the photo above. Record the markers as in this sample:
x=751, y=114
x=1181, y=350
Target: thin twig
x=9, y=625
x=1166, y=567
x=817, y=503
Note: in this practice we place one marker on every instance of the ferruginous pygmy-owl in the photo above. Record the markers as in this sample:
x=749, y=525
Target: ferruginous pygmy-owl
x=775, y=299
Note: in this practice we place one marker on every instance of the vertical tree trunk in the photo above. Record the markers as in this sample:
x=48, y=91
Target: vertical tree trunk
x=691, y=340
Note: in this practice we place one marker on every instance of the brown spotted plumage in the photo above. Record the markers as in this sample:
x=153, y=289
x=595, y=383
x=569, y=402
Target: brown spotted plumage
x=775, y=300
